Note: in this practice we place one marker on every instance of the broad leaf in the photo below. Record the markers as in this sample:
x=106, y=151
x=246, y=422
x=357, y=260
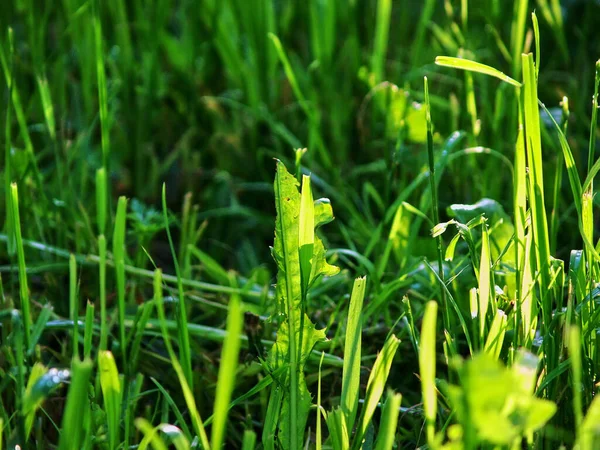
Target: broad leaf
x=296, y=248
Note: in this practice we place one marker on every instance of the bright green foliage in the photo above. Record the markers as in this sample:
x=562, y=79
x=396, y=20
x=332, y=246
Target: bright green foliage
x=427, y=362
x=352, y=350
x=496, y=405
x=297, y=335
x=112, y=393
x=103, y=103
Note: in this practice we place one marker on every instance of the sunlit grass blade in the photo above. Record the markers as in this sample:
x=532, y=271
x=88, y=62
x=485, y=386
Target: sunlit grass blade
x=72, y=430
x=320, y=411
x=338, y=431
x=102, y=92
x=375, y=387
x=495, y=337
x=589, y=432
x=112, y=394
x=227, y=371
x=389, y=421
x=472, y=66
x=485, y=290
x=352, y=352
x=427, y=367
x=576, y=372
x=102, y=286
x=249, y=440
x=539, y=220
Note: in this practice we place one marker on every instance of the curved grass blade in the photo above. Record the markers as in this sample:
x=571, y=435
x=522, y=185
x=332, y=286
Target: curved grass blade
x=472, y=66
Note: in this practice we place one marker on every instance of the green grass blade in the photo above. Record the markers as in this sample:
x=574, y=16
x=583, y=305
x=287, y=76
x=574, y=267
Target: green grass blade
x=101, y=201
x=23, y=285
x=375, y=387
x=74, y=304
x=338, y=431
x=472, y=66
x=227, y=371
x=427, y=367
x=119, y=257
x=576, y=372
x=185, y=358
x=386, y=436
x=188, y=395
x=249, y=440
x=518, y=29
x=352, y=353
x=382, y=27
x=485, y=275
x=102, y=283
x=495, y=337
x=539, y=220
x=72, y=431
x=111, y=392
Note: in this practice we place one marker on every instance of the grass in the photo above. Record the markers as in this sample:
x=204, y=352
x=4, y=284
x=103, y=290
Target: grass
x=172, y=275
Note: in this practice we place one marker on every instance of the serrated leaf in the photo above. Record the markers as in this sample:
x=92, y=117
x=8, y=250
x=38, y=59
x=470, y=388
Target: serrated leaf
x=296, y=248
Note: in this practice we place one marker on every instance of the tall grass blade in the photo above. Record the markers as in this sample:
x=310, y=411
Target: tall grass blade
x=472, y=66
x=119, y=258
x=427, y=367
x=382, y=26
x=185, y=358
x=352, y=352
x=72, y=430
x=389, y=421
x=375, y=387
x=23, y=285
x=74, y=304
x=227, y=370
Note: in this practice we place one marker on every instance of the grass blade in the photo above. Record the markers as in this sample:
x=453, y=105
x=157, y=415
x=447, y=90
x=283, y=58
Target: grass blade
x=427, y=368
x=72, y=431
x=389, y=421
x=119, y=256
x=227, y=370
x=375, y=386
x=111, y=392
x=352, y=352
x=472, y=66
x=185, y=358
x=23, y=286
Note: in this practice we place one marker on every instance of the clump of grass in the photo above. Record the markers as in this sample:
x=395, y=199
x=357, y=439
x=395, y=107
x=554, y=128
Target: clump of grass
x=453, y=302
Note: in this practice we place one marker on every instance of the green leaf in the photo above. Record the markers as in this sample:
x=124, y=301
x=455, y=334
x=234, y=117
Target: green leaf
x=495, y=404
x=40, y=384
x=389, y=422
x=72, y=432
x=427, y=367
x=352, y=352
x=375, y=386
x=338, y=430
x=227, y=370
x=589, y=432
x=472, y=66
x=111, y=392
x=297, y=335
